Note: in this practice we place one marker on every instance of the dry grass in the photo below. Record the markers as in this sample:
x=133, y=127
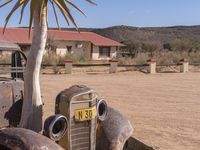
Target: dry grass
x=5, y=59
x=141, y=59
x=194, y=57
x=54, y=59
x=162, y=58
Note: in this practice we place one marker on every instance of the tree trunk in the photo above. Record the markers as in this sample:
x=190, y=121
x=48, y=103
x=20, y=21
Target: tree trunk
x=31, y=117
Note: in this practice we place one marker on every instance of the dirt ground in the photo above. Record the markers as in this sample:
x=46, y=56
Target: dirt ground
x=163, y=108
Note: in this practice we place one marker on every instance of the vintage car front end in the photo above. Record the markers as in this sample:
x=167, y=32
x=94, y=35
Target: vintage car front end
x=83, y=110
x=81, y=121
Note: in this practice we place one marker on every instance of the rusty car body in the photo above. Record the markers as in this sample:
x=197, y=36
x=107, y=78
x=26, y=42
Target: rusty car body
x=82, y=120
x=11, y=84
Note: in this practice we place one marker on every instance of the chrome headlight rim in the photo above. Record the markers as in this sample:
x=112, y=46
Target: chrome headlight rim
x=56, y=126
x=102, y=110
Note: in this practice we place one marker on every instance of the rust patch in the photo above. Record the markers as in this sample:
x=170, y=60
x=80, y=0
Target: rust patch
x=11, y=98
x=6, y=101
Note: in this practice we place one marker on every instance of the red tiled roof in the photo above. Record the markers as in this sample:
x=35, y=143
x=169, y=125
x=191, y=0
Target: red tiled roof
x=15, y=35
x=20, y=36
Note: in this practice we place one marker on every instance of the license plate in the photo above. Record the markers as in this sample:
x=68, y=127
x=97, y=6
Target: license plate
x=85, y=114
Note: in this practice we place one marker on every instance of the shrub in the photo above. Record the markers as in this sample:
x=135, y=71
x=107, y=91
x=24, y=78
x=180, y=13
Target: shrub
x=162, y=58
x=53, y=59
x=141, y=59
x=194, y=57
x=125, y=61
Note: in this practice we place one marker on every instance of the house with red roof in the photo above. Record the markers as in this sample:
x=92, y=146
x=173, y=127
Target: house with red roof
x=86, y=44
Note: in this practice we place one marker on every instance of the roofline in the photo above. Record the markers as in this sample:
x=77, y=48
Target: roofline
x=9, y=46
x=88, y=32
x=24, y=44
x=10, y=49
x=120, y=45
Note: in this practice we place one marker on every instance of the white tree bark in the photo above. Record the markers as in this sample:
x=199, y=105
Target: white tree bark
x=31, y=117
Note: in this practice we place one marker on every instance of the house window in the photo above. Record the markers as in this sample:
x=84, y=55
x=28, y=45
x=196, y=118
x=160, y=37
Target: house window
x=69, y=49
x=104, y=51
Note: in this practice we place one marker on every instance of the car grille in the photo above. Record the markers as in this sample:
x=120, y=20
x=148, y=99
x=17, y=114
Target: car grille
x=80, y=136
x=83, y=134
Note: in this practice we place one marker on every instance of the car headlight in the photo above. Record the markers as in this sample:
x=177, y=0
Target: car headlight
x=55, y=127
x=102, y=110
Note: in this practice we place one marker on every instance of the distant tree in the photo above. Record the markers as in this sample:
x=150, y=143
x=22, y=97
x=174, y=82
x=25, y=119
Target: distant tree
x=185, y=46
x=131, y=48
x=150, y=47
x=167, y=46
x=182, y=45
x=196, y=46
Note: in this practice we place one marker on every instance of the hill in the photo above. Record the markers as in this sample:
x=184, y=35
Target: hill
x=148, y=34
x=154, y=34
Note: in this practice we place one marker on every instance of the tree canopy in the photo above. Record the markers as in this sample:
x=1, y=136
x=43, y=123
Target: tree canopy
x=37, y=5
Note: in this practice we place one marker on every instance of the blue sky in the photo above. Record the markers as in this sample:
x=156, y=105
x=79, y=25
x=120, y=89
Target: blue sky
x=140, y=13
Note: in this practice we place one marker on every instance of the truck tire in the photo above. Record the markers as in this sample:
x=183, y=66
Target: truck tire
x=23, y=139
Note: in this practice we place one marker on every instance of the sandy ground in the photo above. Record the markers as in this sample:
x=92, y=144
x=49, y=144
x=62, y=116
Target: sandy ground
x=163, y=108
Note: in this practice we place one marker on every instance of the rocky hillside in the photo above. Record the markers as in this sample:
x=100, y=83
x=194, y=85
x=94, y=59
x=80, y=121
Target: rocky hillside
x=153, y=34
x=161, y=34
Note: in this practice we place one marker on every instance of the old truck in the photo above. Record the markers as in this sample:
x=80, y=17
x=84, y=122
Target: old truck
x=82, y=120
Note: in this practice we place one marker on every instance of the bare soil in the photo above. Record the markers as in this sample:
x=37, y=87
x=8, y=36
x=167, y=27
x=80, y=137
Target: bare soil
x=163, y=108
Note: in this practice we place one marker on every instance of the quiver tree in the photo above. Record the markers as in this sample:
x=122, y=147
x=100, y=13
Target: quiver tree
x=31, y=117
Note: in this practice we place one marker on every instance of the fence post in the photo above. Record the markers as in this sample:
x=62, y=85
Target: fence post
x=68, y=66
x=184, y=65
x=152, y=66
x=113, y=66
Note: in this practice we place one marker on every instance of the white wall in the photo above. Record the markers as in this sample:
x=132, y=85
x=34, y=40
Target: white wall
x=84, y=51
x=95, y=54
x=113, y=52
x=81, y=51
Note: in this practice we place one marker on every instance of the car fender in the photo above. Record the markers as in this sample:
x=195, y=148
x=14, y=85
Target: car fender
x=114, y=131
x=23, y=139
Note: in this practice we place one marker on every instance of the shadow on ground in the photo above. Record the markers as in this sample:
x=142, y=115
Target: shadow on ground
x=134, y=144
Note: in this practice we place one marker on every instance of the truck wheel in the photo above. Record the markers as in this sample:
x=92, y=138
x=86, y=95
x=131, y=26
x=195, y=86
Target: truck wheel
x=4, y=147
x=126, y=146
x=23, y=139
